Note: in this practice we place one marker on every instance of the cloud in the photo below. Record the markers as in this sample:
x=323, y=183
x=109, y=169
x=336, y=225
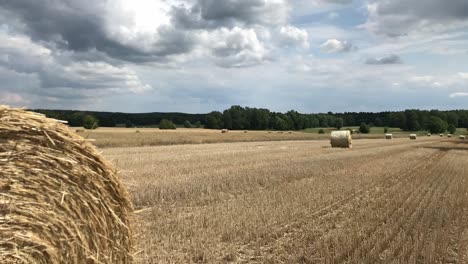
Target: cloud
x=460, y=94
x=291, y=36
x=59, y=70
x=402, y=17
x=424, y=79
x=335, y=46
x=391, y=59
x=237, y=47
x=141, y=31
x=231, y=13
x=12, y=99
x=463, y=75
x=333, y=15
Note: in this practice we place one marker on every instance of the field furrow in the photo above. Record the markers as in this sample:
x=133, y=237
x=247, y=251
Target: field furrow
x=383, y=201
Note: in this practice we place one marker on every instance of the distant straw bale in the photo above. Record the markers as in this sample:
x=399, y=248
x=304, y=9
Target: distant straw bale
x=462, y=137
x=388, y=136
x=341, y=139
x=224, y=131
x=413, y=136
x=60, y=201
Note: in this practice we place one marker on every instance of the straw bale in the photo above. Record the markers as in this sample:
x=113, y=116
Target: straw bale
x=413, y=136
x=341, y=139
x=462, y=137
x=388, y=136
x=224, y=131
x=60, y=201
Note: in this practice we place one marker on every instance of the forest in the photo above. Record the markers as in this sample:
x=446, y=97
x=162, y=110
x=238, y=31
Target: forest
x=246, y=118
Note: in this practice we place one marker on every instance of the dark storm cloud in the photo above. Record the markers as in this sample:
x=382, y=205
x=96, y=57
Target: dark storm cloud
x=391, y=59
x=79, y=26
x=229, y=13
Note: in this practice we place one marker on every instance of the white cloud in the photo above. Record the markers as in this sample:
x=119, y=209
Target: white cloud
x=423, y=79
x=463, y=75
x=335, y=46
x=459, y=94
x=291, y=36
x=237, y=47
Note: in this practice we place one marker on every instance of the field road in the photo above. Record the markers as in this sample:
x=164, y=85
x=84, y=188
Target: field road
x=384, y=201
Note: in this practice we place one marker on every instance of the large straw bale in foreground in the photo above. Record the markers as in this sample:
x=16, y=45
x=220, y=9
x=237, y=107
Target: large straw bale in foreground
x=341, y=139
x=60, y=202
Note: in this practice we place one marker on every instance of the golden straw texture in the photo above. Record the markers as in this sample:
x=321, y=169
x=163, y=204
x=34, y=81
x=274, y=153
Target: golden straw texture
x=60, y=201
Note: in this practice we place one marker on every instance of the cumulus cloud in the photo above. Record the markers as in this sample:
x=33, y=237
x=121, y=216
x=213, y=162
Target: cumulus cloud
x=335, y=46
x=59, y=70
x=402, y=17
x=291, y=36
x=237, y=47
x=391, y=59
x=137, y=31
x=230, y=13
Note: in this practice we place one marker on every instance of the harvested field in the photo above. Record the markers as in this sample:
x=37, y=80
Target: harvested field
x=398, y=201
x=126, y=137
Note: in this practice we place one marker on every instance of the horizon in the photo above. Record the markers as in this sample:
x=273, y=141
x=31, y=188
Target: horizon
x=198, y=56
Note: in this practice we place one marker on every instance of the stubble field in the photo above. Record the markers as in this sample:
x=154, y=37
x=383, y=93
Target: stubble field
x=384, y=201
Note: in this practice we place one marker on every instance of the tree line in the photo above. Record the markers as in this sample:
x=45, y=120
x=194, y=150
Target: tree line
x=246, y=118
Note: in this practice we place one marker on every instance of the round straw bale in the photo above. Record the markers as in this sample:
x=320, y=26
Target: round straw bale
x=60, y=201
x=388, y=136
x=429, y=134
x=413, y=136
x=449, y=135
x=224, y=131
x=441, y=135
x=341, y=139
x=462, y=137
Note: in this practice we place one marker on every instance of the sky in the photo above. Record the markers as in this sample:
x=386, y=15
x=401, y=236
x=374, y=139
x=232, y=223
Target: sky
x=197, y=56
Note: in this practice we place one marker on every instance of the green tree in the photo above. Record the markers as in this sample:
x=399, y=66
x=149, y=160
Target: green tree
x=452, y=129
x=437, y=125
x=166, y=124
x=385, y=130
x=90, y=122
x=321, y=131
x=280, y=124
x=364, y=128
x=453, y=119
x=198, y=124
x=213, y=120
x=412, y=120
x=187, y=124
x=339, y=123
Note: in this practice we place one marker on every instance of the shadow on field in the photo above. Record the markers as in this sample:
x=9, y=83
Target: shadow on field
x=461, y=145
